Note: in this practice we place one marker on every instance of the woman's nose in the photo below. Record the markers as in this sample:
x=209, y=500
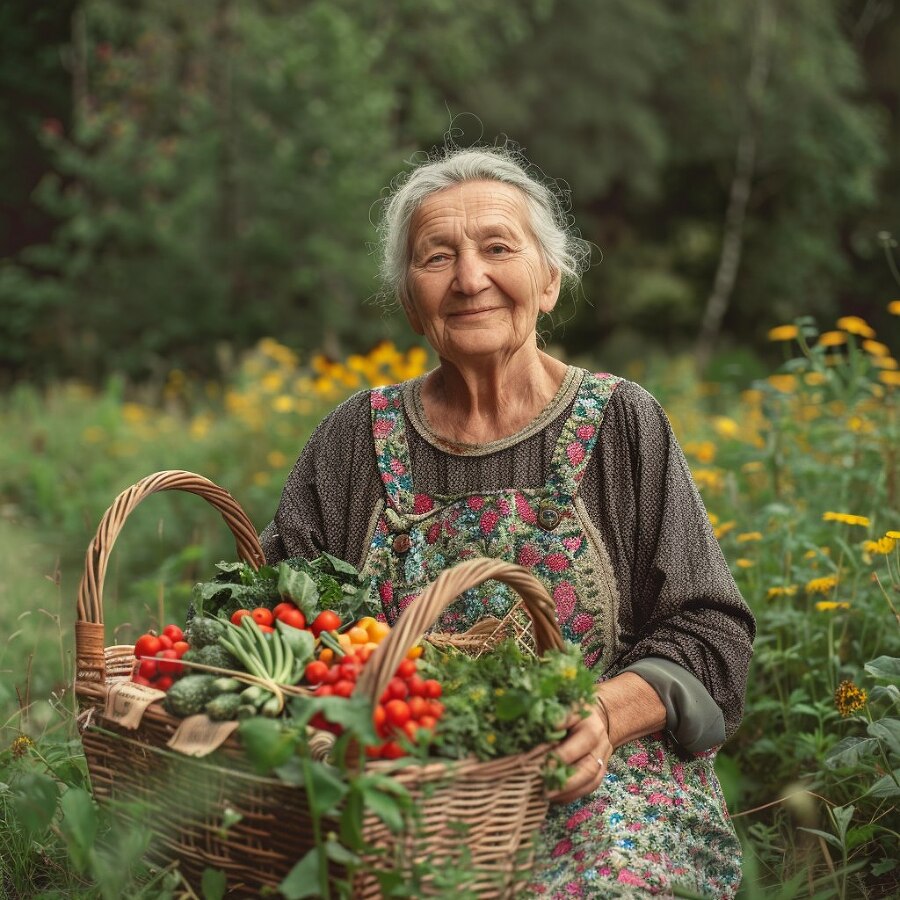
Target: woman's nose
x=470, y=274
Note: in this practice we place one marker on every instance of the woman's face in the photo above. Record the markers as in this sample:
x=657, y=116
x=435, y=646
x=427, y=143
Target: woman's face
x=477, y=280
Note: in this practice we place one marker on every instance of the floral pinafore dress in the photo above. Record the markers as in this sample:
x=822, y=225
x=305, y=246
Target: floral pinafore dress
x=658, y=819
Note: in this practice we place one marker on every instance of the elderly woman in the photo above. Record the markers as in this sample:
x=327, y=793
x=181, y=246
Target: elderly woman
x=504, y=451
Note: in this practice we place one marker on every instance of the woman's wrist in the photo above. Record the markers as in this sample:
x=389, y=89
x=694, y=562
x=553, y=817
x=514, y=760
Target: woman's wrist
x=630, y=708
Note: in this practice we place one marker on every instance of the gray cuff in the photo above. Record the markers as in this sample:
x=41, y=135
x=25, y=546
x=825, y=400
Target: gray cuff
x=692, y=716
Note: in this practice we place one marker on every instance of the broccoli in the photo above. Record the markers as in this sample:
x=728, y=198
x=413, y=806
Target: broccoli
x=189, y=695
x=216, y=655
x=223, y=707
x=203, y=631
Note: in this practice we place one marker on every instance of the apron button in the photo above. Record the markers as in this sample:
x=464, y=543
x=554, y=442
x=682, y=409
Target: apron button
x=401, y=543
x=548, y=518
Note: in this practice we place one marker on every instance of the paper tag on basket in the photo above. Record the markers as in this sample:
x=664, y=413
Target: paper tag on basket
x=126, y=702
x=199, y=735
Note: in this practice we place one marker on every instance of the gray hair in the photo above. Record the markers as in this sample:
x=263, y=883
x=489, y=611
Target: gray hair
x=563, y=249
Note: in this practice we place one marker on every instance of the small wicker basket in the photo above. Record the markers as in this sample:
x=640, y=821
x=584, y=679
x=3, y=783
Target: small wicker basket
x=501, y=802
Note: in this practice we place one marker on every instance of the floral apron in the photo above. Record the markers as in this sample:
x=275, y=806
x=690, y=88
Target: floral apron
x=658, y=819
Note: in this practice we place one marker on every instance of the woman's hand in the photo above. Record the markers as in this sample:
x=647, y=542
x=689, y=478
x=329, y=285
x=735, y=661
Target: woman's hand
x=587, y=746
x=627, y=708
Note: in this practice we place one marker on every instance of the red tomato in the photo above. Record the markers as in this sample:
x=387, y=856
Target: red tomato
x=363, y=654
x=293, y=617
x=315, y=672
x=397, y=689
x=334, y=675
x=149, y=668
x=433, y=689
x=173, y=633
x=379, y=717
x=418, y=707
x=373, y=752
x=416, y=686
x=181, y=647
x=147, y=645
x=397, y=712
x=392, y=750
x=428, y=722
x=410, y=729
x=168, y=662
x=282, y=608
x=266, y=629
x=165, y=642
x=239, y=614
x=435, y=708
x=325, y=621
x=163, y=683
x=343, y=688
x=406, y=669
x=262, y=616
x=139, y=679
x=350, y=669
x=325, y=690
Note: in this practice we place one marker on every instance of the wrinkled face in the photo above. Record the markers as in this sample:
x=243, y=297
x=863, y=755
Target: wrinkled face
x=477, y=280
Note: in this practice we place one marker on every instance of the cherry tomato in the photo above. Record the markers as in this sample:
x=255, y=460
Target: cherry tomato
x=147, y=645
x=363, y=653
x=343, y=688
x=435, y=708
x=392, y=750
x=293, y=617
x=410, y=729
x=139, y=679
x=266, y=629
x=350, y=669
x=173, y=633
x=428, y=722
x=379, y=717
x=397, y=712
x=325, y=690
x=415, y=652
x=181, y=647
x=315, y=672
x=373, y=751
x=149, y=668
x=416, y=686
x=334, y=675
x=406, y=669
x=168, y=662
x=163, y=683
x=358, y=635
x=327, y=620
x=282, y=608
x=262, y=616
x=397, y=689
x=239, y=614
x=433, y=689
x=165, y=642
x=418, y=707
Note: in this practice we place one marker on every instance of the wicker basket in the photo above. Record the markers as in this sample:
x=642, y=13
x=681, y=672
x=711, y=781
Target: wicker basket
x=501, y=802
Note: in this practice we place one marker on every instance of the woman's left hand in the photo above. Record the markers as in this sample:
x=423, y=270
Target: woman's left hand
x=587, y=747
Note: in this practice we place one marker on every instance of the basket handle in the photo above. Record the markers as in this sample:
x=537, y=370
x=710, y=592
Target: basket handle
x=442, y=592
x=89, y=632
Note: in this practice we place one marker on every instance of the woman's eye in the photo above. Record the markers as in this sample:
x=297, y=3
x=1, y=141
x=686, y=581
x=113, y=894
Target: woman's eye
x=437, y=258
x=497, y=249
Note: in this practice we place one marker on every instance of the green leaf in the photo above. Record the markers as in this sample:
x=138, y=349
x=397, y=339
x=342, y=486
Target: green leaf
x=339, y=854
x=513, y=705
x=885, y=692
x=834, y=841
x=860, y=835
x=325, y=789
x=78, y=825
x=267, y=741
x=842, y=817
x=299, y=587
x=850, y=752
x=339, y=566
x=884, y=866
x=887, y=730
x=887, y=667
x=34, y=797
x=886, y=786
x=303, y=879
x=301, y=642
x=383, y=805
x=213, y=883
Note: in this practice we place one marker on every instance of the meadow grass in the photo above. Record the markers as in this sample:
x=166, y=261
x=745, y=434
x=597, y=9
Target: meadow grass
x=799, y=472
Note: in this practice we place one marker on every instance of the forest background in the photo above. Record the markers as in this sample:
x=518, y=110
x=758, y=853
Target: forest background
x=180, y=183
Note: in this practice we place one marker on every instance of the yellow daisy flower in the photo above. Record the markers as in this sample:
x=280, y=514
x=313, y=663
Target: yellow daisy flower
x=831, y=605
x=856, y=325
x=846, y=519
x=876, y=348
x=821, y=585
x=848, y=698
x=783, y=333
x=832, y=339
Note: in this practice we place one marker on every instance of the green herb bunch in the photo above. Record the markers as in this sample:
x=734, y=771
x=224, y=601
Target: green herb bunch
x=506, y=701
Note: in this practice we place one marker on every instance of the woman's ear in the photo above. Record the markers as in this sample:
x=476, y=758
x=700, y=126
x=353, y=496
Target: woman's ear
x=550, y=294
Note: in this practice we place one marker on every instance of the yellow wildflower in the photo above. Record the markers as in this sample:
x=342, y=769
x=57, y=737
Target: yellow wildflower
x=491, y=738
x=753, y=466
x=752, y=397
x=283, y=403
x=749, y=536
x=787, y=590
x=713, y=518
x=887, y=377
x=885, y=362
x=276, y=459
x=261, y=479
x=845, y=518
x=703, y=451
x=723, y=529
x=814, y=379
x=856, y=325
x=848, y=698
x=832, y=339
x=895, y=535
x=812, y=554
x=725, y=427
x=745, y=563
x=831, y=605
x=712, y=479
x=821, y=585
x=785, y=384
x=882, y=546
x=783, y=333
x=876, y=348
x=21, y=745
x=134, y=413
x=894, y=307
x=200, y=426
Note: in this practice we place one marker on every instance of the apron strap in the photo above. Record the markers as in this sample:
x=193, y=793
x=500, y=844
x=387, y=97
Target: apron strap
x=391, y=447
x=579, y=436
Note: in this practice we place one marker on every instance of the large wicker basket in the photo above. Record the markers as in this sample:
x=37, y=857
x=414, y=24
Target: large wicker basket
x=501, y=803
